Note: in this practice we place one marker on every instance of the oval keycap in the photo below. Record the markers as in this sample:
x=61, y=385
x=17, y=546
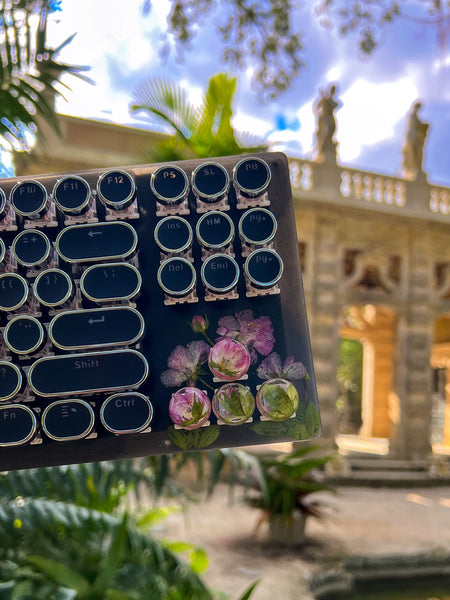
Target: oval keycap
x=126, y=413
x=10, y=380
x=53, y=287
x=24, y=335
x=263, y=268
x=113, y=326
x=17, y=425
x=13, y=291
x=113, y=281
x=31, y=247
x=92, y=242
x=66, y=420
x=87, y=373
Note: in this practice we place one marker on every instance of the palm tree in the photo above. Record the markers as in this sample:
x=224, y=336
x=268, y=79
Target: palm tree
x=29, y=71
x=202, y=131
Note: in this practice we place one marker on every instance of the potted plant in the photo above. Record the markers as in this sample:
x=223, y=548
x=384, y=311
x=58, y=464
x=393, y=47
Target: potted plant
x=284, y=493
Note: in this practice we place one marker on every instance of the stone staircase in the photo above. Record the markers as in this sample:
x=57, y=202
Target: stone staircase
x=357, y=469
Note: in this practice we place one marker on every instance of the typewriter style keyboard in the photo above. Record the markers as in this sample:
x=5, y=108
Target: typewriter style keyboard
x=151, y=309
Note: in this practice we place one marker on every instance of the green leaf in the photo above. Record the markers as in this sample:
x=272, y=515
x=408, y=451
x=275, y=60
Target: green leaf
x=297, y=430
x=312, y=420
x=197, y=410
x=111, y=594
x=179, y=437
x=60, y=573
x=249, y=591
x=270, y=428
x=208, y=436
x=114, y=558
x=282, y=402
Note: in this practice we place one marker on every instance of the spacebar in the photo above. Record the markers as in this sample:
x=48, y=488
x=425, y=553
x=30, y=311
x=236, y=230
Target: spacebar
x=87, y=373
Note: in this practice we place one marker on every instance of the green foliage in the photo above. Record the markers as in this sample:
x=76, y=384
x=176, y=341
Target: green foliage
x=29, y=72
x=349, y=377
x=288, y=481
x=202, y=131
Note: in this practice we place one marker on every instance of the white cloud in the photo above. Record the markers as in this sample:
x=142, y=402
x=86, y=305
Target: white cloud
x=370, y=112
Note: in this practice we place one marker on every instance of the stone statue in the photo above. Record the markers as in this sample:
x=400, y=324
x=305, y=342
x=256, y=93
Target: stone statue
x=413, y=144
x=326, y=125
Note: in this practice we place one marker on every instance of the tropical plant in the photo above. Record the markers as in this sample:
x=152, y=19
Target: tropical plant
x=199, y=131
x=64, y=535
x=29, y=71
x=290, y=480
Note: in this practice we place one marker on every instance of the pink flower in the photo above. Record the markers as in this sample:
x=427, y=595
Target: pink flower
x=189, y=408
x=272, y=367
x=184, y=364
x=199, y=324
x=229, y=360
x=233, y=403
x=256, y=334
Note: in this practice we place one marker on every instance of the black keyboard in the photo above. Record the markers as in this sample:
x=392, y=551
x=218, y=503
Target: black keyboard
x=151, y=309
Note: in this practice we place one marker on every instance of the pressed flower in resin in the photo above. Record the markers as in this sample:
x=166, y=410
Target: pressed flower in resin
x=229, y=360
x=272, y=367
x=233, y=403
x=255, y=333
x=185, y=364
x=189, y=408
x=277, y=399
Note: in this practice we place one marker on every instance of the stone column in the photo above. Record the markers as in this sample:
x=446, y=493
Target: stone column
x=324, y=319
x=412, y=386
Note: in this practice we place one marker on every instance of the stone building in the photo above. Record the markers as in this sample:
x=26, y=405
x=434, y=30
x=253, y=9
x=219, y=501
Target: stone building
x=375, y=251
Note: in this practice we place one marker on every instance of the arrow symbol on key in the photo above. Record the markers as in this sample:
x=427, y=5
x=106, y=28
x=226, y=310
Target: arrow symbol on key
x=92, y=233
x=92, y=321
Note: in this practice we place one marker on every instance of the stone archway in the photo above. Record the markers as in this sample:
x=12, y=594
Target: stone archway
x=374, y=326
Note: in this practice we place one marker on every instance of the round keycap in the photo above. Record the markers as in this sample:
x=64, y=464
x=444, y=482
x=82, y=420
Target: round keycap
x=29, y=199
x=31, y=247
x=11, y=381
x=114, y=281
x=210, y=182
x=177, y=276
x=53, y=287
x=263, y=268
x=3, y=205
x=13, y=291
x=17, y=424
x=173, y=235
x=72, y=194
x=66, y=420
x=24, y=335
x=257, y=226
x=116, y=189
x=251, y=177
x=220, y=273
x=129, y=412
x=215, y=229
x=2, y=252
x=169, y=184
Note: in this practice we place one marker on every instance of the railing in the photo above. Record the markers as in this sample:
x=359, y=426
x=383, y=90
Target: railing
x=372, y=190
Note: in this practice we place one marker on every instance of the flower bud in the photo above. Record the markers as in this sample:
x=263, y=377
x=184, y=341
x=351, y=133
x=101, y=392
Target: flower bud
x=199, y=324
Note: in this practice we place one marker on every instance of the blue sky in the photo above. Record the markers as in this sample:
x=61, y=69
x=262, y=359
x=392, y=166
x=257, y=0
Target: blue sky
x=121, y=46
